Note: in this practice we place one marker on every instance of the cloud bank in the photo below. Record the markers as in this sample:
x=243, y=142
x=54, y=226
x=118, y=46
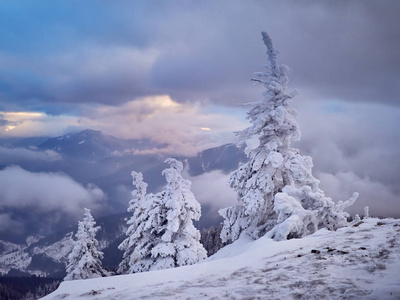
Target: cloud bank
x=42, y=201
x=211, y=190
x=380, y=199
x=186, y=128
x=46, y=192
x=20, y=155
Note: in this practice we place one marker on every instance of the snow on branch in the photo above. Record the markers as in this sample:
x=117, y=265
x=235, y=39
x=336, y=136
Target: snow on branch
x=276, y=190
x=272, y=53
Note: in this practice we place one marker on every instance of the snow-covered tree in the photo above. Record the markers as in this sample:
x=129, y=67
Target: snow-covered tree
x=276, y=191
x=161, y=233
x=143, y=229
x=179, y=244
x=84, y=260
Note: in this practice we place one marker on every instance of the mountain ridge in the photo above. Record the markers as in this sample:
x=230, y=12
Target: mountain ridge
x=108, y=167
x=93, y=145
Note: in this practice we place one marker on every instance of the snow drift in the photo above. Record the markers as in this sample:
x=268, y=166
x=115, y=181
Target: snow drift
x=361, y=261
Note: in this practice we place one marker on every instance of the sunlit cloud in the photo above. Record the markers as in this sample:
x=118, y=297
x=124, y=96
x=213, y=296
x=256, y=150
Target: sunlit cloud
x=166, y=121
x=186, y=128
x=8, y=128
x=22, y=115
x=28, y=124
x=14, y=119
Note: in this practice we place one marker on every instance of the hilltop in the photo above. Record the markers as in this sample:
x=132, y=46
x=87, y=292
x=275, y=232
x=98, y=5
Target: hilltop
x=360, y=261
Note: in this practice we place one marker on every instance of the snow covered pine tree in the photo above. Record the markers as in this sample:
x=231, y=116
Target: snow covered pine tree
x=161, y=234
x=180, y=241
x=84, y=260
x=143, y=229
x=276, y=191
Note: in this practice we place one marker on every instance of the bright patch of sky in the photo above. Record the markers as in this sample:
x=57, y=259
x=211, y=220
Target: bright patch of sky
x=186, y=127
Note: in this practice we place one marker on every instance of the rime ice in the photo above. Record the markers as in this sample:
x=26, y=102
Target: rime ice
x=161, y=234
x=84, y=260
x=276, y=190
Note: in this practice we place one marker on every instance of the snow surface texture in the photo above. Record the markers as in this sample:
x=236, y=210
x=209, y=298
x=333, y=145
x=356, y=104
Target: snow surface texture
x=357, y=262
x=276, y=191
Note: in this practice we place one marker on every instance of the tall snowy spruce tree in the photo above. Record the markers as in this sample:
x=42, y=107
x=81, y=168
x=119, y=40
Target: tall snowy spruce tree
x=276, y=191
x=84, y=260
x=180, y=240
x=143, y=229
x=161, y=234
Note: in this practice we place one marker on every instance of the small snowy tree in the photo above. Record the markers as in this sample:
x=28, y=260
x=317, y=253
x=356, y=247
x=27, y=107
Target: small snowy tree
x=276, y=190
x=180, y=240
x=84, y=260
x=142, y=231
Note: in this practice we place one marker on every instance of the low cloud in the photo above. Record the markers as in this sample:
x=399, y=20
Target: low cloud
x=378, y=197
x=7, y=224
x=46, y=192
x=10, y=156
x=42, y=202
x=34, y=124
x=349, y=137
x=212, y=190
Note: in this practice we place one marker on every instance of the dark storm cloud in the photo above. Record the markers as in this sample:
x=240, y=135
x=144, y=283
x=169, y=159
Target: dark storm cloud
x=74, y=52
x=347, y=49
x=335, y=49
x=46, y=48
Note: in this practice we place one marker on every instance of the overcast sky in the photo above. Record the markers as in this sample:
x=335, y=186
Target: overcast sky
x=72, y=59
x=174, y=71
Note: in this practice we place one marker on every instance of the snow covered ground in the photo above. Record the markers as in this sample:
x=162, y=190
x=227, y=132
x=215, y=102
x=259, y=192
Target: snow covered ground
x=357, y=262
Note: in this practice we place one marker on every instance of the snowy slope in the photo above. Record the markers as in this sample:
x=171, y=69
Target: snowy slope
x=18, y=260
x=358, y=262
x=47, y=256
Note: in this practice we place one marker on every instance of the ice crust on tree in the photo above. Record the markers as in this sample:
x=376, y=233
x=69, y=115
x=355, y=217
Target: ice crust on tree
x=161, y=234
x=142, y=231
x=180, y=241
x=276, y=191
x=85, y=260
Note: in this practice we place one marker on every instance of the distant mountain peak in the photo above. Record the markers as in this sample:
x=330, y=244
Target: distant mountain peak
x=89, y=131
x=93, y=145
